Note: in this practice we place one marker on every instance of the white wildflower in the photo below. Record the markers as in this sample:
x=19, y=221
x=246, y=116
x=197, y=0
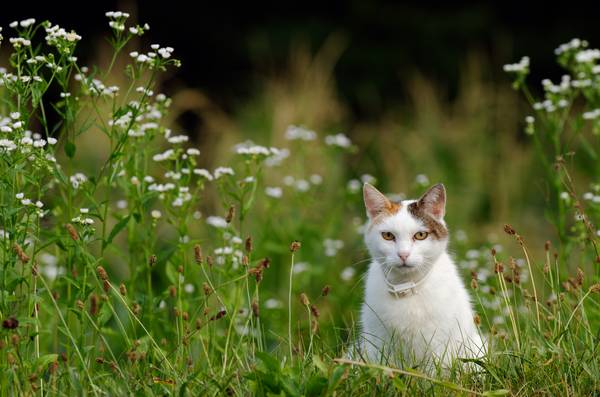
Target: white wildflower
x=275, y=192
x=220, y=171
x=348, y=274
x=299, y=133
x=217, y=222
x=339, y=140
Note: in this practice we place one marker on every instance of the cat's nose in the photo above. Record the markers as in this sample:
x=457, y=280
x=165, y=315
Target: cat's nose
x=403, y=255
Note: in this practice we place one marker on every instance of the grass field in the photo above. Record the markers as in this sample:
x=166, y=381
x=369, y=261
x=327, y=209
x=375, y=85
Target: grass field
x=141, y=259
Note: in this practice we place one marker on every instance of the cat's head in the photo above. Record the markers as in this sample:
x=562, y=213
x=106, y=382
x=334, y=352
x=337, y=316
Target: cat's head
x=408, y=236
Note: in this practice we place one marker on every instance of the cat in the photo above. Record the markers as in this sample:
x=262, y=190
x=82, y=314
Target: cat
x=416, y=309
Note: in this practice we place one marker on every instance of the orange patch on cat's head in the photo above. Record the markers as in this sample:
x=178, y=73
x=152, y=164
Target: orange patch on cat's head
x=391, y=208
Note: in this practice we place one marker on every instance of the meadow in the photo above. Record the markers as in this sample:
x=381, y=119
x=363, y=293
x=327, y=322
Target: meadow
x=138, y=258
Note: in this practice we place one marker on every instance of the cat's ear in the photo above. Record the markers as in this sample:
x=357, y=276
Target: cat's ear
x=433, y=202
x=375, y=201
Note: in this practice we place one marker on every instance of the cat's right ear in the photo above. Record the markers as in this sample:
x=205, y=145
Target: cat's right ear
x=375, y=201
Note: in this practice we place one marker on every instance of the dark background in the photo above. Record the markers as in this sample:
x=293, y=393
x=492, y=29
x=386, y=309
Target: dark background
x=224, y=46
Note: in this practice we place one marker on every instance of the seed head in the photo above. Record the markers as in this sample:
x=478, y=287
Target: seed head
x=172, y=291
x=10, y=323
x=255, y=308
x=219, y=315
x=72, y=232
x=230, y=214
x=122, y=289
x=245, y=260
x=265, y=263
x=80, y=305
x=209, y=261
x=314, y=326
x=547, y=245
x=93, y=304
x=498, y=267
x=295, y=246
x=314, y=311
x=20, y=253
x=102, y=273
x=152, y=260
x=198, y=254
x=304, y=299
x=474, y=283
x=206, y=288
x=508, y=229
x=325, y=290
x=477, y=319
x=579, y=278
x=249, y=244
x=106, y=285
x=595, y=288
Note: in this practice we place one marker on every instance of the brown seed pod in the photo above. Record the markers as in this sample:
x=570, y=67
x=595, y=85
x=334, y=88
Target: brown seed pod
x=508, y=229
x=198, y=254
x=304, y=299
x=10, y=323
x=255, y=308
x=295, y=246
x=314, y=311
x=152, y=260
x=207, y=289
x=20, y=253
x=230, y=214
x=93, y=305
x=102, y=273
x=265, y=263
x=248, y=244
x=123, y=289
x=72, y=232
x=325, y=291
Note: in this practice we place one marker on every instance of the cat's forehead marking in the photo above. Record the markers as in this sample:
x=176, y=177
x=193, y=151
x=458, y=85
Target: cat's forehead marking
x=435, y=227
x=392, y=208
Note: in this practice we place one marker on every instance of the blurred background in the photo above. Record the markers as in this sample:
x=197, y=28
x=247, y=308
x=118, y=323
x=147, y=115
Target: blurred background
x=419, y=90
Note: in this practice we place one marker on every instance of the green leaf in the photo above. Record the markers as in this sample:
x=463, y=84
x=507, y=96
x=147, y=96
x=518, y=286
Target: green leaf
x=270, y=362
x=70, y=149
x=336, y=378
x=115, y=230
x=316, y=386
x=45, y=360
x=494, y=393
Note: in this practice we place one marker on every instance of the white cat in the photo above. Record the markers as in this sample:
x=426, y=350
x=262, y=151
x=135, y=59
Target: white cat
x=416, y=309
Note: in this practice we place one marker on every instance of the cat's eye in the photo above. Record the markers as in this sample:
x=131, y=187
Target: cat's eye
x=421, y=235
x=388, y=236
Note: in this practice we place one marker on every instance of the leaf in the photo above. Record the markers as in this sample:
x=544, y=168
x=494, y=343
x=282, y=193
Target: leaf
x=316, y=386
x=115, y=230
x=70, y=149
x=494, y=393
x=172, y=275
x=336, y=378
x=45, y=360
x=270, y=362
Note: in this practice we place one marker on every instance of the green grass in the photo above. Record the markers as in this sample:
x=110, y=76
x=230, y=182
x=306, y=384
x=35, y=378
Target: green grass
x=122, y=281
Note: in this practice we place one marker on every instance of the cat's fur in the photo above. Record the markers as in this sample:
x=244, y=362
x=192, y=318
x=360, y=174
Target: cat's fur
x=432, y=323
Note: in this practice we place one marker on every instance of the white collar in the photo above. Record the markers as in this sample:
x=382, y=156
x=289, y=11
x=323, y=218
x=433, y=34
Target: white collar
x=400, y=290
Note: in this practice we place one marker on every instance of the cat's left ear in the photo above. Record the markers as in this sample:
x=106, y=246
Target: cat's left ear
x=433, y=202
